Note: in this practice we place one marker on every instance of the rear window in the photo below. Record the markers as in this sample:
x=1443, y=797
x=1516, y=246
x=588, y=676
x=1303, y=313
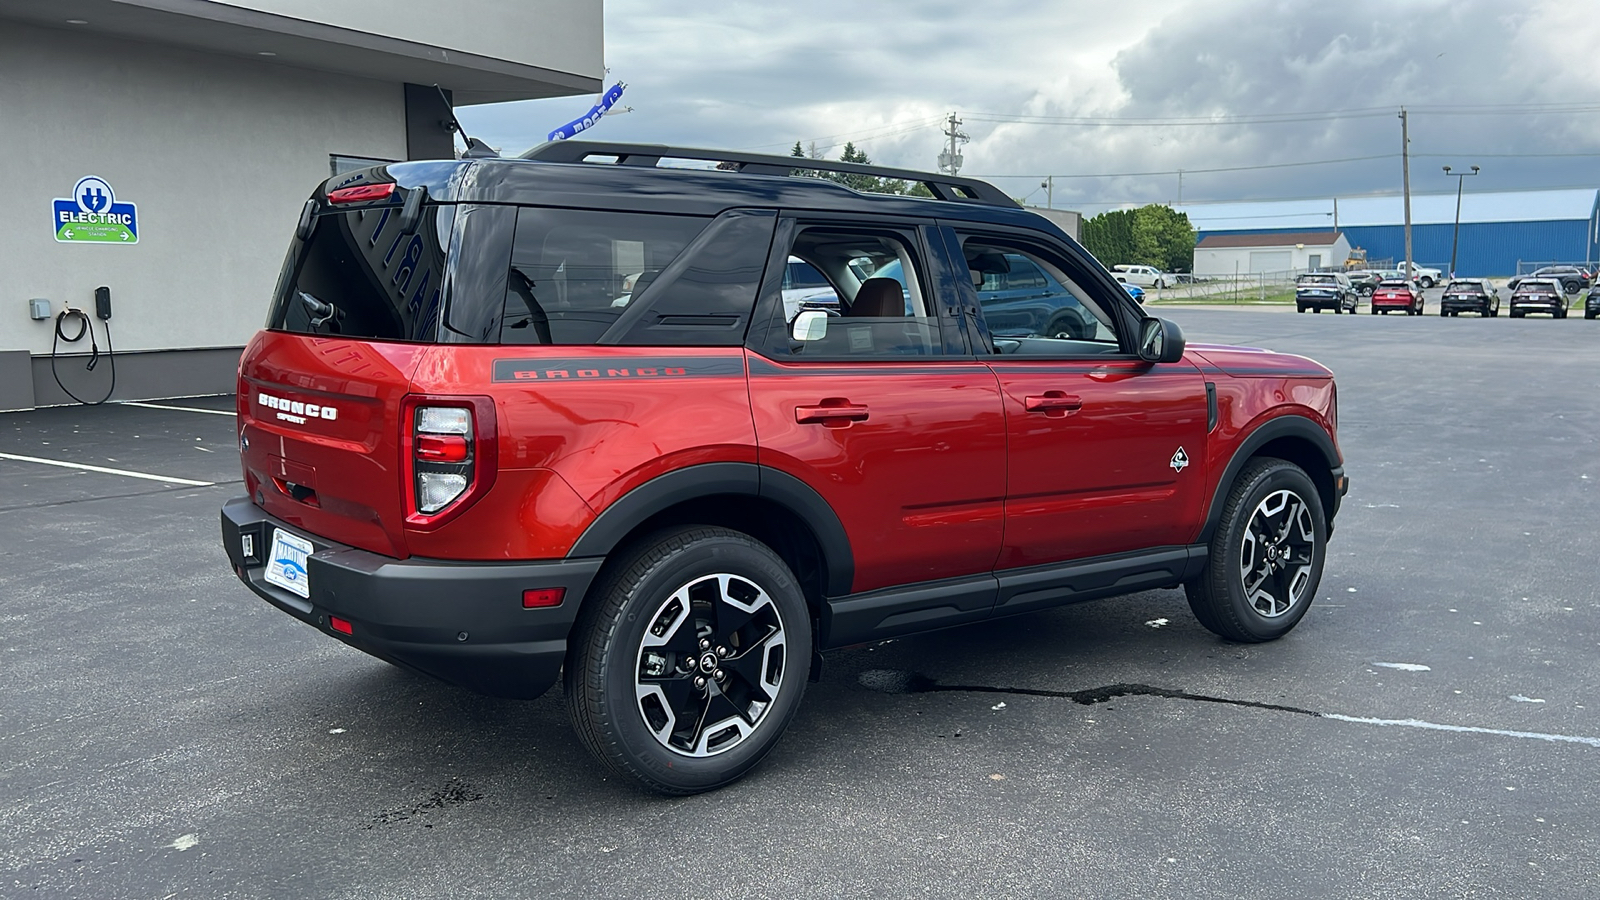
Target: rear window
x=1318, y=280
x=358, y=276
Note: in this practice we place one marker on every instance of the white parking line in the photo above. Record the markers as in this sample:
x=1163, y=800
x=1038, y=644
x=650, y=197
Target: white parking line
x=1467, y=729
x=80, y=466
x=209, y=412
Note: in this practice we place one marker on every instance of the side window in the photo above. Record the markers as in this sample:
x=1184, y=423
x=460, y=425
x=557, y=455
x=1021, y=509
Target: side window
x=873, y=301
x=574, y=272
x=1032, y=306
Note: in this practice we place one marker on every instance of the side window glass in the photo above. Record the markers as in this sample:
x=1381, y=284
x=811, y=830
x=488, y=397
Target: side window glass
x=1032, y=307
x=574, y=272
x=872, y=301
x=705, y=298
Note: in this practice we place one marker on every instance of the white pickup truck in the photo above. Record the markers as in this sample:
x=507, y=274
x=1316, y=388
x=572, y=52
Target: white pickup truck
x=1143, y=276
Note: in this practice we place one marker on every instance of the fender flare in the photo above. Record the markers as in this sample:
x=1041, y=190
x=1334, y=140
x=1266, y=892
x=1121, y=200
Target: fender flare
x=1291, y=426
x=712, y=479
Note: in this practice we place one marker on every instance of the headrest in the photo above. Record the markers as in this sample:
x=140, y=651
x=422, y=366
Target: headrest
x=879, y=298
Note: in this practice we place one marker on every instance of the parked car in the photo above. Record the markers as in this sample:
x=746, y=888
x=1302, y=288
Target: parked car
x=1539, y=295
x=1398, y=275
x=464, y=459
x=1395, y=294
x=1591, y=303
x=1364, y=280
x=1143, y=276
x=1470, y=295
x=1133, y=290
x=806, y=288
x=1318, y=291
x=1572, y=278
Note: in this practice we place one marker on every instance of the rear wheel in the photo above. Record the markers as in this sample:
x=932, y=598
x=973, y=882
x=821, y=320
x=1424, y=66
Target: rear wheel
x=1426, y=282
x=1266, y=557
x=1589, y=314
x=690, y=660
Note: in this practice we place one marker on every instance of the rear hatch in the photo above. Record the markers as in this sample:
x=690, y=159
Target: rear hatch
x=321, y=392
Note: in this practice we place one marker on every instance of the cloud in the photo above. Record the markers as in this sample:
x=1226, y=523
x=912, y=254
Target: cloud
x=751, y=76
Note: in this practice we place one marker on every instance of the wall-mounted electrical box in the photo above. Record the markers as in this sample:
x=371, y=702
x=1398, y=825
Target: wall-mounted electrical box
x=39, y=308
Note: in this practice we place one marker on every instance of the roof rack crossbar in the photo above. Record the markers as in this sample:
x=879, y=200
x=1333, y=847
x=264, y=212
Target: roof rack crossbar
x=944, y=187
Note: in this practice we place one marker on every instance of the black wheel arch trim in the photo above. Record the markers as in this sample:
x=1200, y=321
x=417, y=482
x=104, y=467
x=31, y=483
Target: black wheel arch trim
x=659, y=494
x=1291, y=426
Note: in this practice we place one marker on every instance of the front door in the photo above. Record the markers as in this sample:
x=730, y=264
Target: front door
x=1106, y=451
x=882, y=413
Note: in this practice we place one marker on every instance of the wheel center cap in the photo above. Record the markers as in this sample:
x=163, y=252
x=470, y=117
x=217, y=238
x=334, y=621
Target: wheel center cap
x=708, y=663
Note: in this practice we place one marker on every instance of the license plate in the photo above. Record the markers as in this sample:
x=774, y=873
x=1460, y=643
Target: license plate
x=286, y=564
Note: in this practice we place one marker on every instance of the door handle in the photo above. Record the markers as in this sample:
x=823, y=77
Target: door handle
x=1055, y=404
x=834, y=412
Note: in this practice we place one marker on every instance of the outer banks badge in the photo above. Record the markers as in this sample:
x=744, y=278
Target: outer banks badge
x=92, y=215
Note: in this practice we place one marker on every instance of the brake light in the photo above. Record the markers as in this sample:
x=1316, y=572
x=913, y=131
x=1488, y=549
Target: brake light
x=361, y=193
x=450, y=455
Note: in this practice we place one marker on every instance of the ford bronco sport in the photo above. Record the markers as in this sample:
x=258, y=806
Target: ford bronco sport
x=514, y=420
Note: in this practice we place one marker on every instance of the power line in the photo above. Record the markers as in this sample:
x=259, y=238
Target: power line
x=1315, y=162
x=1510, y=109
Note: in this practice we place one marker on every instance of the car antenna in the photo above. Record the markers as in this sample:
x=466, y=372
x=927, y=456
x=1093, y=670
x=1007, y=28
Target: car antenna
x=476, y=149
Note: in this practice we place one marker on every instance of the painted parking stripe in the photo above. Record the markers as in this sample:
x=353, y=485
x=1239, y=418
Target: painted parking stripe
x=209, y=412
x=86, y=468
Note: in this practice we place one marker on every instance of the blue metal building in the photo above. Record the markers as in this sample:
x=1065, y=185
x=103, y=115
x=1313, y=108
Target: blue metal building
x=1501, y=232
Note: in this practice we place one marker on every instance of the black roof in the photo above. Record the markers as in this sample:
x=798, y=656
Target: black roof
x=566, y=173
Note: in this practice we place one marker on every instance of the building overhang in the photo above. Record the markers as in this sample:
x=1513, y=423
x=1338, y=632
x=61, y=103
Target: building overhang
x=266, y=37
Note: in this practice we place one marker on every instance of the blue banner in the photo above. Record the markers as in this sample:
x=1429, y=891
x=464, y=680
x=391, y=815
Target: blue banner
x=571, y=129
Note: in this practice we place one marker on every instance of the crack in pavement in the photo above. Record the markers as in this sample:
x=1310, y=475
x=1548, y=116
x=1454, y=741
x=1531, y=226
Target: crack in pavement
x=893, y=682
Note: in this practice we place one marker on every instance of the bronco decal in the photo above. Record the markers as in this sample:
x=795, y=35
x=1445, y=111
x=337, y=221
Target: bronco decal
x=622, y=368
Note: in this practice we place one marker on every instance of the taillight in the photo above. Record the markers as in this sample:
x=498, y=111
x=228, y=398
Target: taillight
x=450, y=455
x=443, y=463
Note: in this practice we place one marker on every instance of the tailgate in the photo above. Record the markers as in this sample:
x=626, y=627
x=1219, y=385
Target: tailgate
x=319, y=430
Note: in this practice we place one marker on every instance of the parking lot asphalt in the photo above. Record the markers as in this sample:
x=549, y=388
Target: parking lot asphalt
x=1431, y=729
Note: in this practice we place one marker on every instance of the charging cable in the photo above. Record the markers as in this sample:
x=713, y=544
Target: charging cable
x=85, y=327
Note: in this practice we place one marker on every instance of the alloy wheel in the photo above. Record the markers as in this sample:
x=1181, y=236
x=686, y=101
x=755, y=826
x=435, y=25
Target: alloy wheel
x=1277, y=553
x=710, y=665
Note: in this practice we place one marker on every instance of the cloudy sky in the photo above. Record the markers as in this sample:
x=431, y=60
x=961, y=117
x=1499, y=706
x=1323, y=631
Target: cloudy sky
x=1113, y=99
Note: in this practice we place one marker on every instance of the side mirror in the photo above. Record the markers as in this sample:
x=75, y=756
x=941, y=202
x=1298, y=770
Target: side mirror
x=810, y=325
x=1160, y=341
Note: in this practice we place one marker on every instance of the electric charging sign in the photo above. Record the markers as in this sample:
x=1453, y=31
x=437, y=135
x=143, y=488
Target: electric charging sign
x=92, y=215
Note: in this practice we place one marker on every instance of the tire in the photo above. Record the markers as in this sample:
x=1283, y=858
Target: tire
x=650, y=631
x=1516, y=314
x=1571, y=287
x=1269, y=494
x=1588, y=314
x=1442, y=314
x=1426, y=282
x=1067, y=328
x=1299, y=309
x=1560, y=314
x=1316, y=310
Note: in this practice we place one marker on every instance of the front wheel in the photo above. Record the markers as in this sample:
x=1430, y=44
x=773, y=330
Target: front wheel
x=690, y=660
x=1425, y=281
x=1266, y=557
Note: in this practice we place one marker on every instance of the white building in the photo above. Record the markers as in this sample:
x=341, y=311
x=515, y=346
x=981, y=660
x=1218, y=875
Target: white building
x=180, y=138
x=1269, y=254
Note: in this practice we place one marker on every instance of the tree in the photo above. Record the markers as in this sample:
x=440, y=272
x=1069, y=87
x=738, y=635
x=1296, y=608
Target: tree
x=1153, y=235
x=871, y=184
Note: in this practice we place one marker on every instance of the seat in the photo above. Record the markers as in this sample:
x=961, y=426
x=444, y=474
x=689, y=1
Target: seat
x=878, y=298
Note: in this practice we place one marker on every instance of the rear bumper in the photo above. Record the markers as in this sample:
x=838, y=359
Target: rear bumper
x=1549, y=306
x=1321, y=302
x=462, y=622
x=1464, y=305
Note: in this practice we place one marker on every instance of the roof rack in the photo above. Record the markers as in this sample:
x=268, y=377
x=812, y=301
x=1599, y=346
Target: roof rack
x=943, y=187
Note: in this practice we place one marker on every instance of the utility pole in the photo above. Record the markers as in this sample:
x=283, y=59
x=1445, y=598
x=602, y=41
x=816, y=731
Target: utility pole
x=950, y=161
x=1180, y=187
x=1336, y=215
x=1049, y=185
x=1405, y=175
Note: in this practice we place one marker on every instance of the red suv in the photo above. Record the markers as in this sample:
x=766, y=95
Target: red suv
x=1396, y=295
x=515, y=420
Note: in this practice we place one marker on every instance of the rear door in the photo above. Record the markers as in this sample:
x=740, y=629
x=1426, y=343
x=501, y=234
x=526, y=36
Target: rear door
x=1105, y=449
x=884, y=413
x=320, y=391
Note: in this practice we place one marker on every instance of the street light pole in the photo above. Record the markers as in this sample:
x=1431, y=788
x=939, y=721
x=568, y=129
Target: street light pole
x=1455, y=238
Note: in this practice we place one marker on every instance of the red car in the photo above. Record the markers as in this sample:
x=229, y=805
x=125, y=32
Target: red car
x=515, y=421
x=1393, y=295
